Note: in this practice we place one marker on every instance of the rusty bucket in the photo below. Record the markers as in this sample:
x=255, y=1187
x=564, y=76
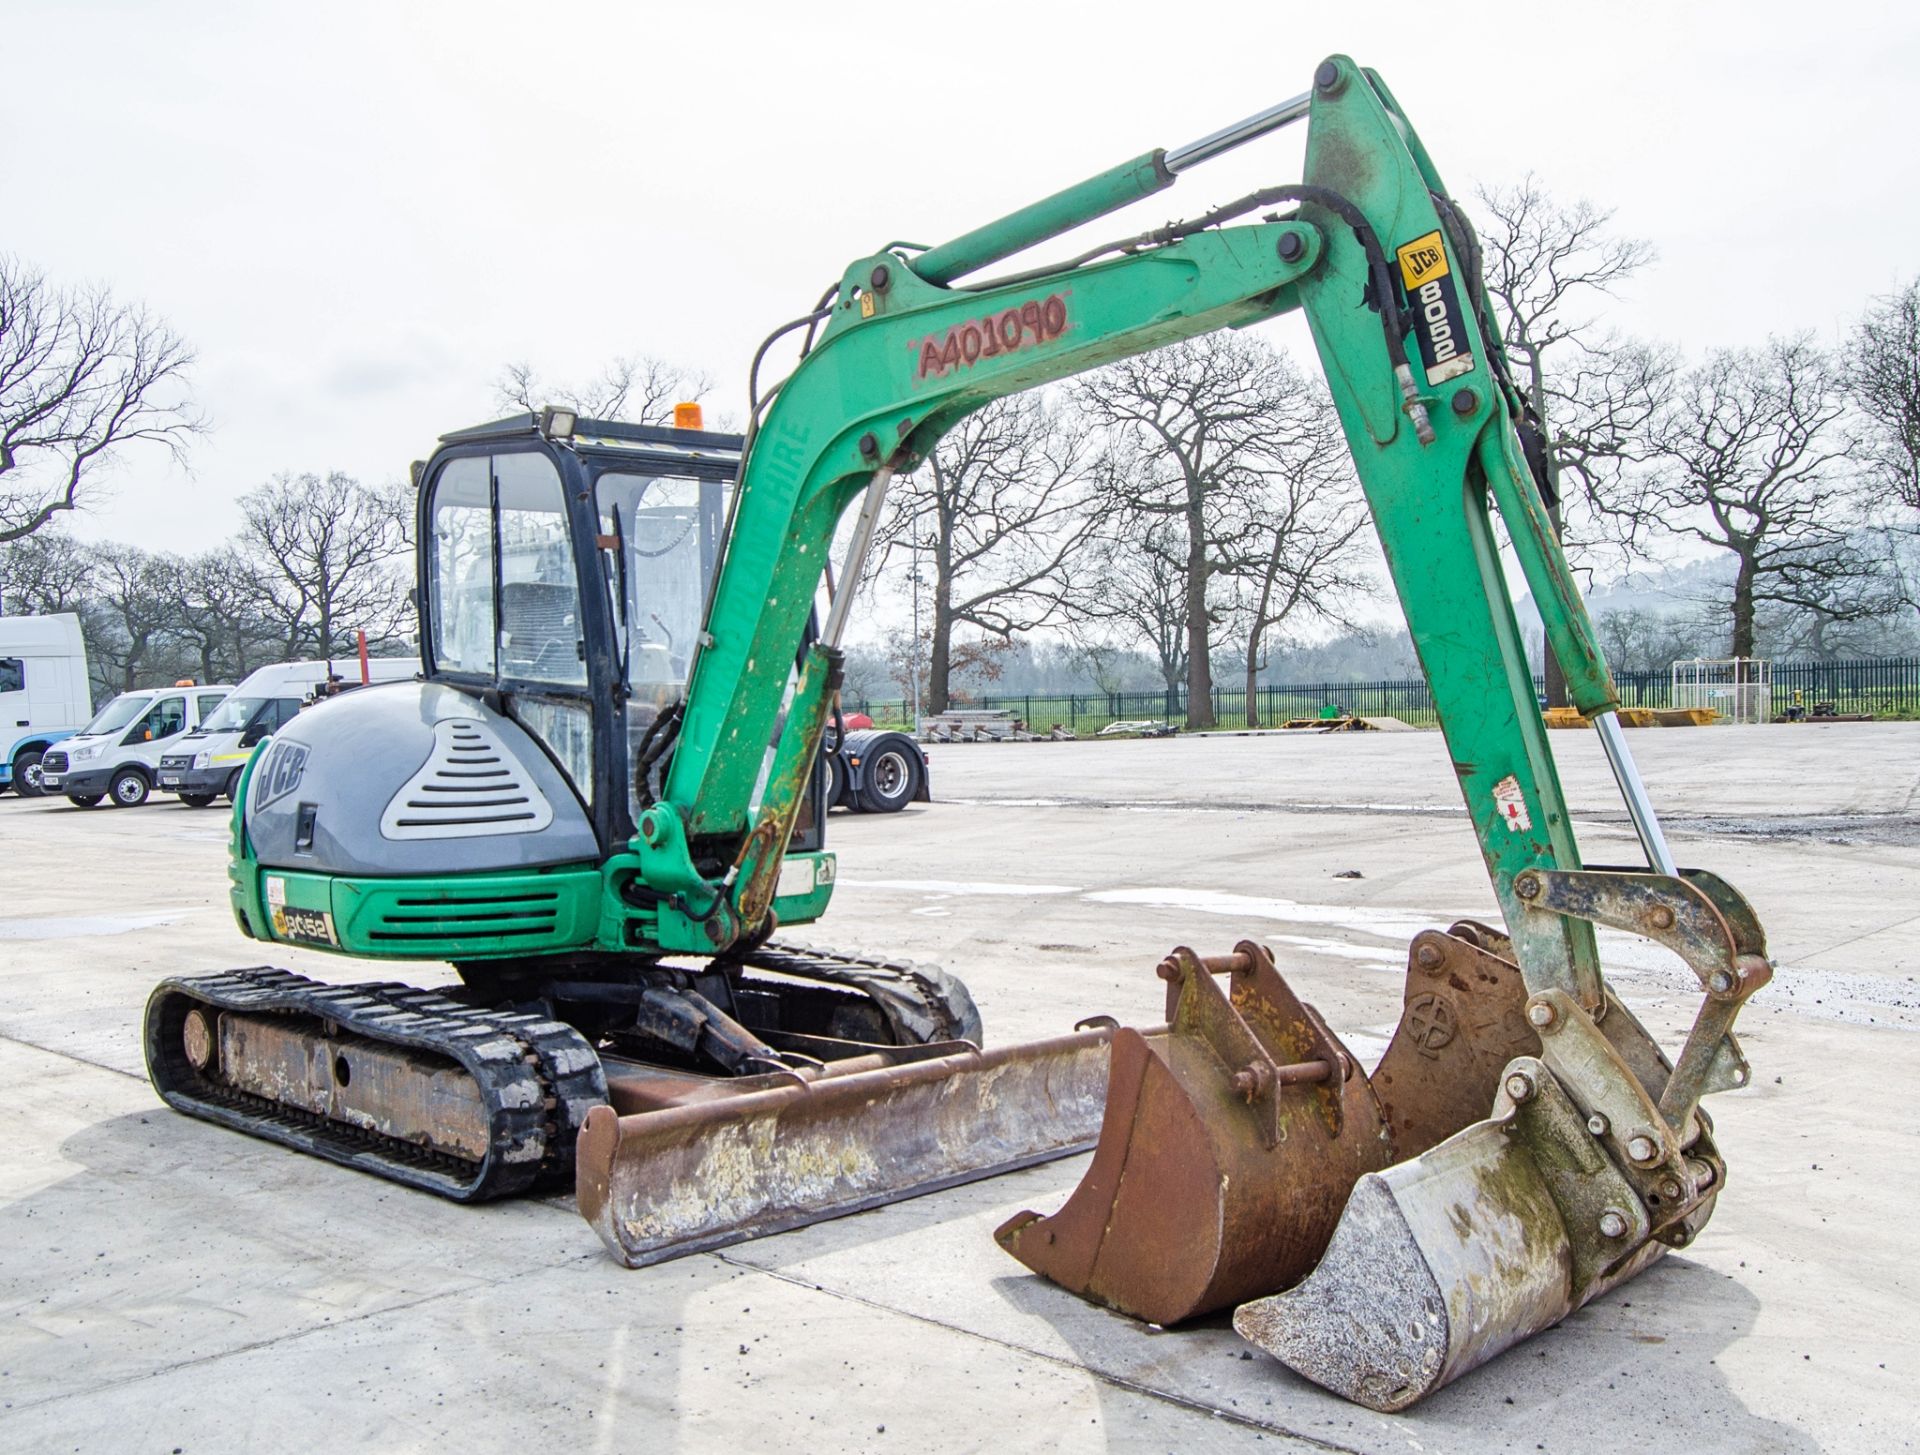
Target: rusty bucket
x=1229, y=1143
x=1232, y=1139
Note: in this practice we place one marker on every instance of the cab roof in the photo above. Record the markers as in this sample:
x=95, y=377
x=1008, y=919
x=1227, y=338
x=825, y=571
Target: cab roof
x=607, y=436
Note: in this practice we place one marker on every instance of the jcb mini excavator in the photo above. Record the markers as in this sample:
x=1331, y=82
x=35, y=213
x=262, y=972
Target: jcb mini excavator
x=603, y=799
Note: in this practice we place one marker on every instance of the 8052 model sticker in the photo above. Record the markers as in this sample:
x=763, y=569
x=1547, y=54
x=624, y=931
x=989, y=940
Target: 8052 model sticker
x=1439, y=323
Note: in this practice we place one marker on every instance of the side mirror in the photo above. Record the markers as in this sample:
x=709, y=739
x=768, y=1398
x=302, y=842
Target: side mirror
x=253, y=735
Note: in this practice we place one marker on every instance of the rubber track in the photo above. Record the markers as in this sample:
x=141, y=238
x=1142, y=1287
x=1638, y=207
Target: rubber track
x=933, y=989
x=538, y=1078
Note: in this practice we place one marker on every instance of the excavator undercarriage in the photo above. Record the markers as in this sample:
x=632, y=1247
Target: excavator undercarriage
x=604, y=797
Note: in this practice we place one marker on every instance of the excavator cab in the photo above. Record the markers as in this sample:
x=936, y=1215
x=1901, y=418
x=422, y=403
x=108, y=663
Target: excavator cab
x=565, y=564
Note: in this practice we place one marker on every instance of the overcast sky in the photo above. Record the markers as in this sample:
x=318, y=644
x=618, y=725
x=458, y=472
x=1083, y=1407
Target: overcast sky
x=358, y=212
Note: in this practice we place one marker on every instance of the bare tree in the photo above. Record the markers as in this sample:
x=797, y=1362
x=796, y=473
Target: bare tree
x=1882, y=362
x=1307, y=532
x=129, y=616
x=1750, y=457
x=638, y=388
x=1548, y=265
x=217, y=616
x=1190, y=431
x=1639, y=639
x=324, y=549
x=1103, y=663
x=1883, y=377
x=1140, y=586
x=1594, y=392
x=82, y=377
x=46, y=572
x=1000, y=510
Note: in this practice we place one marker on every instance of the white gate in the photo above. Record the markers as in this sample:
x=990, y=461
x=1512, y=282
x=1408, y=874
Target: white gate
x=1740, y=689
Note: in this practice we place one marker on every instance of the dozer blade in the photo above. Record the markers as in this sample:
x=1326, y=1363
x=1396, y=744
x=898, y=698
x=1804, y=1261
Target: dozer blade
x=1232, y=1138
x=695, y=1163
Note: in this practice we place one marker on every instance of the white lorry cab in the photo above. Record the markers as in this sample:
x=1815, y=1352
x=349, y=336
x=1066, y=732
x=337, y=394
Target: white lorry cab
x=117, y=755
x=44, y=693
x=206, y=762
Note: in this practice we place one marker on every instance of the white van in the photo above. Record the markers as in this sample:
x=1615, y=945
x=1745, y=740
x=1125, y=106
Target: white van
x=44, y=693
x=117, y=755
x=207, y=762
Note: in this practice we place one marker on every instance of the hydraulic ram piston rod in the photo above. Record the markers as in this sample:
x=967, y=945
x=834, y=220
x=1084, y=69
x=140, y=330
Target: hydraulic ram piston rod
x=1182, y=159
x=1095, y=197
x=1639, y=806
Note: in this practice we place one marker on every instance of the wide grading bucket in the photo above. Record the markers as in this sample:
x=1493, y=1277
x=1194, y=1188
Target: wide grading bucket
x=1232, y=1137
x=678, y=1164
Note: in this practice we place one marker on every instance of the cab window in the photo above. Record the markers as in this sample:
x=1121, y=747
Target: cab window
x=13, y=674
x=505, y=597
x=541, y=638
x=164, y=719
x=210, y=704
x=461, y=567
x=663, y=531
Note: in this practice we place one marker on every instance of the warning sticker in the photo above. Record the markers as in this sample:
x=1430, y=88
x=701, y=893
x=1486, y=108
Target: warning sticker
x=1433, y=304
x=1512, y=804
x=276, y=890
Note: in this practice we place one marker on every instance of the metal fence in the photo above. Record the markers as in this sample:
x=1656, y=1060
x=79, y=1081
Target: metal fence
x=1884, y=688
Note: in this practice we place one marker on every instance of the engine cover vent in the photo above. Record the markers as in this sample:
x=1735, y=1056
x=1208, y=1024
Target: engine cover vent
x=471, y=786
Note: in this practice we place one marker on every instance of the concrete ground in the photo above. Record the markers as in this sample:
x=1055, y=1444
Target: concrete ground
x=168, y=1286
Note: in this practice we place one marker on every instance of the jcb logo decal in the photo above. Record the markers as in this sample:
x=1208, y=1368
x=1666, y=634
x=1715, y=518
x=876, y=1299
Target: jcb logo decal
x=1433, y=301
x=1423, y=261
x=279, y=773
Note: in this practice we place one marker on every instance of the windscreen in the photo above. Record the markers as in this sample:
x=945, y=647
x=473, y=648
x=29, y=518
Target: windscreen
x=234, y=714
x=668, y=524
x=666, y=528
x=117, y=714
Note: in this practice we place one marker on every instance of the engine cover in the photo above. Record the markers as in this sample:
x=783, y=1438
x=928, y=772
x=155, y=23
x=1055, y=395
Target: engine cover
x=411, y=778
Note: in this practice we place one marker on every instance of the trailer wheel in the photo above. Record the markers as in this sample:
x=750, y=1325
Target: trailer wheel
x=892, y=774
x=26, y=773
x=129, y=788
x=836, y=780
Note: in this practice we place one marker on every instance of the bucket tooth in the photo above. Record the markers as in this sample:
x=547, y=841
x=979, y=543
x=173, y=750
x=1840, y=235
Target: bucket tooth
x=1228, y=1145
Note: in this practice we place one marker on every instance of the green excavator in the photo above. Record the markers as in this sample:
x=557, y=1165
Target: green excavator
x=602, y=805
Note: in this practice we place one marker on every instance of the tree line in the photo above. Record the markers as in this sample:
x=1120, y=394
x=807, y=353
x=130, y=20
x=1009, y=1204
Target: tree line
x=1197, y=504
x=1192, y=510
x=319, y=559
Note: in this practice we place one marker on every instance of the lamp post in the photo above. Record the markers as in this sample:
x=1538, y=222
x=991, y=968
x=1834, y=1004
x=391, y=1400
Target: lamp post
x=913, y=673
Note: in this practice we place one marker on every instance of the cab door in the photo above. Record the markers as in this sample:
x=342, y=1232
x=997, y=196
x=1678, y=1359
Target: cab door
x=167, y=718
x=503, y=599
x=16, y=707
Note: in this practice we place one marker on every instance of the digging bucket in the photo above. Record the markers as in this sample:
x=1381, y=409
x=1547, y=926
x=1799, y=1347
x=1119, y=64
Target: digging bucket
x=697, y=1163
x=1440, y=1263
x=1232, y=1138
x=1593, y=1160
